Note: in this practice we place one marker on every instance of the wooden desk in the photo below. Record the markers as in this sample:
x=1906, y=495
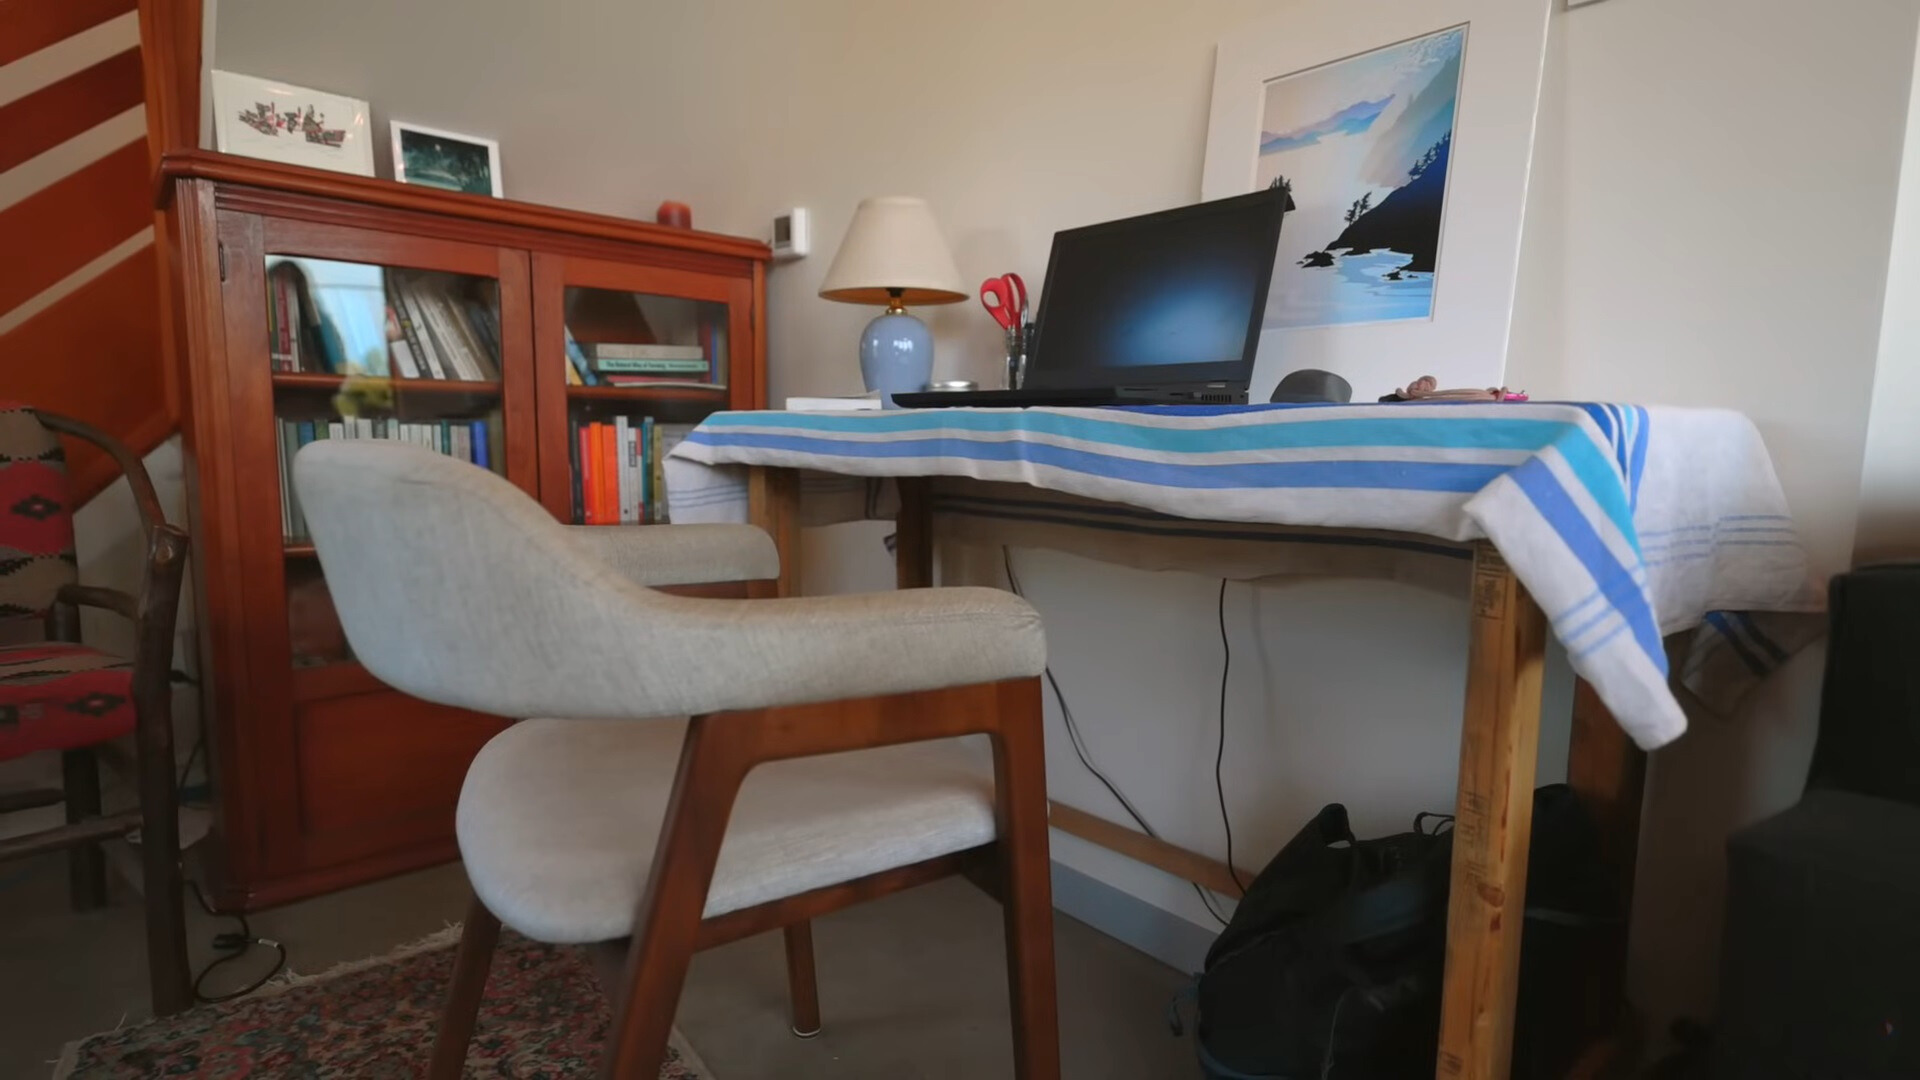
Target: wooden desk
x=1494, y=807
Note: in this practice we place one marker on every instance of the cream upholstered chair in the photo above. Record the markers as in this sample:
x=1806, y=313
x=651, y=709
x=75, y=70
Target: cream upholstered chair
x=623, y=821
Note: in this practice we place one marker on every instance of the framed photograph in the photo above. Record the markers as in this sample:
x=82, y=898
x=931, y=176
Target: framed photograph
x=1403, y=134
x=277, y=121
x=445, y=159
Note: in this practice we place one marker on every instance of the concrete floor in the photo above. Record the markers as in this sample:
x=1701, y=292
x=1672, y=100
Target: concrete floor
x=911, y=986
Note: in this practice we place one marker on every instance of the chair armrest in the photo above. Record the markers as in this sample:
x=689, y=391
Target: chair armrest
x=145, y=499
x=611, y=650
x=680, y=554
x=97, y=596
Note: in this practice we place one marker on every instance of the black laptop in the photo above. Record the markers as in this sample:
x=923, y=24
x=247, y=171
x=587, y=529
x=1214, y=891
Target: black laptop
x=1159, y=309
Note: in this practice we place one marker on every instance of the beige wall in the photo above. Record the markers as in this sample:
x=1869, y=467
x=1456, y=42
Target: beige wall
x=1709, y=226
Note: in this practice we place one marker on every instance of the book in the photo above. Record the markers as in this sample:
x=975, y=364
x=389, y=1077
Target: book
x=669, y=381
x=399, y=350
x=863, y=403
x=577, y=359
x=609, y=476
x=603, y=351
x=573, y=471
x=646, y=366
x=473, y=346
x=482, y=433
x=286, y=488
x=650, y=464
x=623, y=469
x=455, y=353
x=416, y=323
x=589, y=476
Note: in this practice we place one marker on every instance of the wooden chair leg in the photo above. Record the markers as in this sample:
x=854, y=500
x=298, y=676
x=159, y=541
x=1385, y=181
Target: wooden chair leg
x=86, y=864
x=712, y=764
x=1020, y=814
x=478, y=937
x=168, y=976
x=803, y=989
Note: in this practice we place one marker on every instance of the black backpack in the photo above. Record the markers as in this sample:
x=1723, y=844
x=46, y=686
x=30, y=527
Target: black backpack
x=1331, y=967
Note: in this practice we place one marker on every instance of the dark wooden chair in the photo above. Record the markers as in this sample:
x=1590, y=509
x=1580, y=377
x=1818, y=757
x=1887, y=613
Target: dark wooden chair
x=58, y=694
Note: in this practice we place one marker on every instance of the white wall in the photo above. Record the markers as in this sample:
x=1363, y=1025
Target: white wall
x=1708, y=226
x=1890, y=478
x=1677, y=250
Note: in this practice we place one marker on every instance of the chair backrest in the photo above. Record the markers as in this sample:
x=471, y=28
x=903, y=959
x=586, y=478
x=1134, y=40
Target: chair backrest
x=1869, y=740
x=454, y=586
x=36, y=523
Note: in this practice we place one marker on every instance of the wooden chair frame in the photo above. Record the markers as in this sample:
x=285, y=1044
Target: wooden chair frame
x=153, y=613
x=719, y=751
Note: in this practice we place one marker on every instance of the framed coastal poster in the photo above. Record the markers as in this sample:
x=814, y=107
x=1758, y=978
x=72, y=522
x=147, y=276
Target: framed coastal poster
x=266, y=118
x=1403, y=134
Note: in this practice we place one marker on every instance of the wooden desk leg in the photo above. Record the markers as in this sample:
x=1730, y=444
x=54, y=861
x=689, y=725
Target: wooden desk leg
x=1609, y=774
x=773, y=503
x=913, y=537
x=1494, y=819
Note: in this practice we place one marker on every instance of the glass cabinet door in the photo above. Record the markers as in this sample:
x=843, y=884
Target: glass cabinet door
x=629, y=359
x=356, y=335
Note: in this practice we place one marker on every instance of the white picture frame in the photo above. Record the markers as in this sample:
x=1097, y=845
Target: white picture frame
x=278, y=121
x=461, y=154
x=1462, y=340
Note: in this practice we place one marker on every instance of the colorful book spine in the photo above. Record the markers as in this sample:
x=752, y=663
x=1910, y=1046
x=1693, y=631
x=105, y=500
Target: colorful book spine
x=643, y=457
x=482, y=434
x=622, y=469
x=609, y=476
x=589, y=476
x=574, y=464
x=579, y=361
x=644, y=366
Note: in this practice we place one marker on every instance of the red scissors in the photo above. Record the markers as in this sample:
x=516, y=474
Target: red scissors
x=1005, y=298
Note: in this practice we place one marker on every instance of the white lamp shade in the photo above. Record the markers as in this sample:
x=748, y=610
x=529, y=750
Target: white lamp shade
x=893, y=244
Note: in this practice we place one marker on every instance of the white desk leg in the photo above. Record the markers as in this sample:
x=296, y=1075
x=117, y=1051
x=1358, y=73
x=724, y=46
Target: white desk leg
x=1494, y=819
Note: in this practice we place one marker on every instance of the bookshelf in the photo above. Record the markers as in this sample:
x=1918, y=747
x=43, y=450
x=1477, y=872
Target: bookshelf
x=310, y=305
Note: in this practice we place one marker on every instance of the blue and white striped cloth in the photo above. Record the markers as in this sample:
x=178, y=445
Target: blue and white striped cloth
x=1625, y=523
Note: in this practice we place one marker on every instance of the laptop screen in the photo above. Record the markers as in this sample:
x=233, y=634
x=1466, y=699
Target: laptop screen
x=1172, y=297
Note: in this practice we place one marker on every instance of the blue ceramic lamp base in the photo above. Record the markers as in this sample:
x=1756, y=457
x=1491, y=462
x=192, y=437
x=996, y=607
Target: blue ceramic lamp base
x=896, y=355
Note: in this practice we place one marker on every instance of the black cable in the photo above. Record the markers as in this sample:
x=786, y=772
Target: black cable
x=234, y=945
x=1220, y=753
x=1080, y=750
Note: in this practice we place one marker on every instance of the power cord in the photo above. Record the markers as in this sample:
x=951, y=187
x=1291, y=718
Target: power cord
x=1080, y=750
x=1220, y=753
x=234, y=945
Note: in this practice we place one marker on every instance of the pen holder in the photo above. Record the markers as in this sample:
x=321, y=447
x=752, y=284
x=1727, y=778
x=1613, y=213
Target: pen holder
x=1018, y=339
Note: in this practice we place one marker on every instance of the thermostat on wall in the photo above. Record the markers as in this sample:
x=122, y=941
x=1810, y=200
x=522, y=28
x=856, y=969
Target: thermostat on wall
x=791, y=238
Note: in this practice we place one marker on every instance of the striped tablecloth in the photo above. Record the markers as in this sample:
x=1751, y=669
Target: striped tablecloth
x=1626, y=523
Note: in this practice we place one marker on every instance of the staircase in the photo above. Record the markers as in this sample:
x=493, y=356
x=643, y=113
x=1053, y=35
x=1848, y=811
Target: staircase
x=80, y=312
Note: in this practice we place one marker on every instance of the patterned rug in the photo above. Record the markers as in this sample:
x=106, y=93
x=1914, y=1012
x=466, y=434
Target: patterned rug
x=543, y=1018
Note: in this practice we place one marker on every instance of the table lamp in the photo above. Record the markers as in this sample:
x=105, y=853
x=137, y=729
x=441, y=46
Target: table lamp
x=893, y=254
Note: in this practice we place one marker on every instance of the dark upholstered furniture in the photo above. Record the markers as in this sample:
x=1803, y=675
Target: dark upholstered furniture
x=1820, y=971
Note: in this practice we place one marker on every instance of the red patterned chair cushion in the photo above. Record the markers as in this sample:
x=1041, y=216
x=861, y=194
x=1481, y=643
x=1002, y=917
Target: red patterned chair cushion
x=36, y=523
x=56, y=696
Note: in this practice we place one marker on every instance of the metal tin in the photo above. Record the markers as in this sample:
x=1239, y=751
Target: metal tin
x=954, y=384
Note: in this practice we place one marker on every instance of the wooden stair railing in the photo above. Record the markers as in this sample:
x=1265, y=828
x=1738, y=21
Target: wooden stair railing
x=82, y=322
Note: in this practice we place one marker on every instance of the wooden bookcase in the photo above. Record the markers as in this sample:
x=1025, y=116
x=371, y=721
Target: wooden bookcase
x=323, y=776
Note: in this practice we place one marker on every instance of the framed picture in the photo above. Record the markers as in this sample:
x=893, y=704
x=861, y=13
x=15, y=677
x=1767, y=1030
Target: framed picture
x=1403, y=134
x=445, y=159
x=278, y=121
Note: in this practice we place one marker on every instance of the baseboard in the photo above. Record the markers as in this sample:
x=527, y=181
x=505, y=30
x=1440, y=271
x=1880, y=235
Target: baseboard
x=1155, y=931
